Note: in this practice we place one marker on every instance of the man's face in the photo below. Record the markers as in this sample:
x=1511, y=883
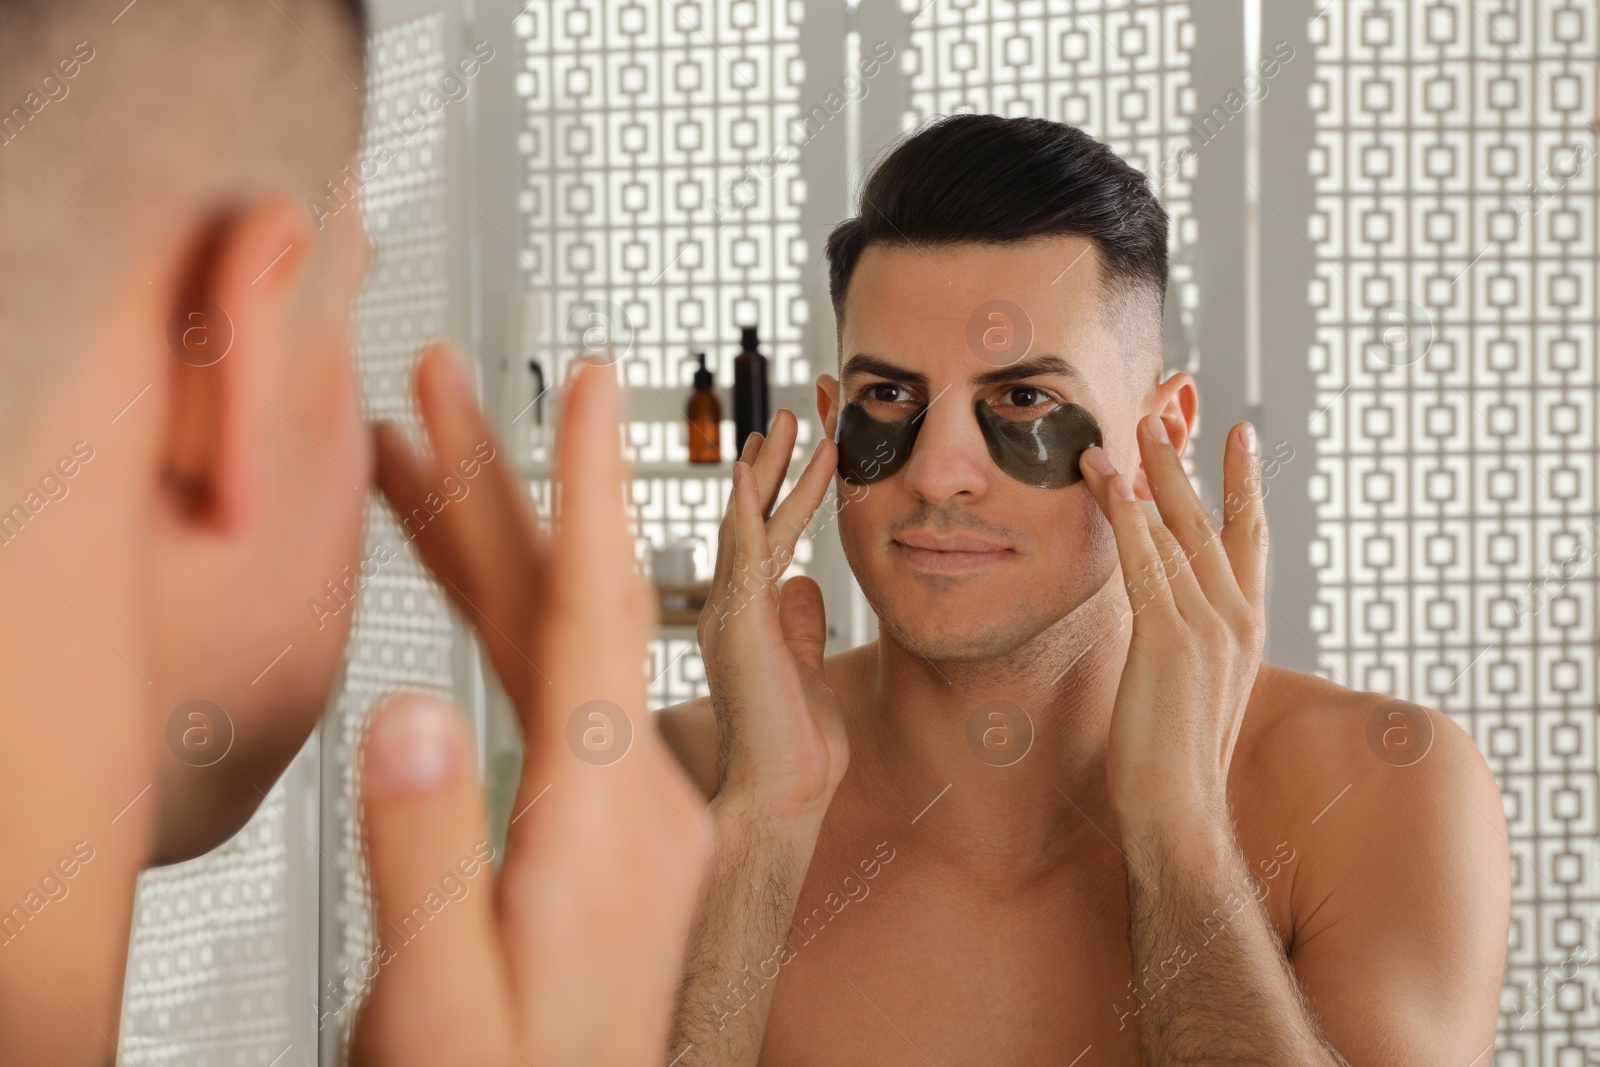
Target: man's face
x=964, y=561
x=324, y=490
x=256, y=622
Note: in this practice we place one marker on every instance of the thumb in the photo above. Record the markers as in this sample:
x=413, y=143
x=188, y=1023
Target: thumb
x=804, y=621
x=428, y=851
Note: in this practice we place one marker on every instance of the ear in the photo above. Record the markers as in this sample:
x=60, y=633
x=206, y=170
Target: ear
x=1177, y=400
x=828, y=403
x=226, y=328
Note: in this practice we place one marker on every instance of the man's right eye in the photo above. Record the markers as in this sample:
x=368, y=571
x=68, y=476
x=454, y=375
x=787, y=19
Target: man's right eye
x=887, y=401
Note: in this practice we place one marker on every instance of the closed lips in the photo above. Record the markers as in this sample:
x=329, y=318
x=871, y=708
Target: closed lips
x=949, y=544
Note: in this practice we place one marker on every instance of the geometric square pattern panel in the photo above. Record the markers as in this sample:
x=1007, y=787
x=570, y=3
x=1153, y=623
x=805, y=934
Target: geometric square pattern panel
x=1455, y=176
x=401, y=636
x=1118, y=69
x=662, y=197
x=208, y=979
x=662, y=211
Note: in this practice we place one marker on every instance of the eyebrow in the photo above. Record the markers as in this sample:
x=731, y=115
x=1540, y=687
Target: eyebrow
x=861, y=363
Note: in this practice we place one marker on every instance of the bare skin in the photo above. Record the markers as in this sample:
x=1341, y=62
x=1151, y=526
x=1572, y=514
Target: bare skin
x=183, y=484
x=887, y=895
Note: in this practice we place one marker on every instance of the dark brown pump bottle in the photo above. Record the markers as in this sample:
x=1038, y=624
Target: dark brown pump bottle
x=751, y=406
x=705, y=417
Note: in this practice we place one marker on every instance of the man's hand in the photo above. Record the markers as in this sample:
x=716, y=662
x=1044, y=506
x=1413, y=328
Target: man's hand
x=574, y=956
x=781, y=729
x=1198, y=602
x=783, y=744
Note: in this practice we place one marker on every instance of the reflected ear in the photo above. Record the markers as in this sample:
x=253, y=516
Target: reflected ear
x=1180, y=399
x=226, y=330
x=828, y=403
x=1177, y=400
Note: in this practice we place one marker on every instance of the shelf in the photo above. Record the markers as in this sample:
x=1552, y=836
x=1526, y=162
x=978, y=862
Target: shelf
x=651, y=469
x=694, y=598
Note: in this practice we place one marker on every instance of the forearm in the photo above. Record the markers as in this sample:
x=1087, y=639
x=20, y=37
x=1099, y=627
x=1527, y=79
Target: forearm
x=739, y=940
x=1211, y=983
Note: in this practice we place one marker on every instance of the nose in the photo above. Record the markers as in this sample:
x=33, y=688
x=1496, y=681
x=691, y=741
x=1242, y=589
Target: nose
x=950, y=459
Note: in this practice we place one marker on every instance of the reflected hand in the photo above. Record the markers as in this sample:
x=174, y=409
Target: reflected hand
x=779, y=723
x=1198, y=602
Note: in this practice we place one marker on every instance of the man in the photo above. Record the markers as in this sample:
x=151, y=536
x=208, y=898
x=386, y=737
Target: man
x=185, y=465
x=1058, y=812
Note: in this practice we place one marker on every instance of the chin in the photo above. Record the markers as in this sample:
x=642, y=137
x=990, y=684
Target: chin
x=202, y=807
x=946, y=629
x=962, y=624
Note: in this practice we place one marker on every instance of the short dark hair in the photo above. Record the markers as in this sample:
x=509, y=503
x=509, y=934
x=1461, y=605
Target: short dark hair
x=988, y=179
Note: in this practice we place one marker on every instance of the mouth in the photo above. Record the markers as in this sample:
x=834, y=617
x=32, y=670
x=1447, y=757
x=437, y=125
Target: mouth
x=949, y=555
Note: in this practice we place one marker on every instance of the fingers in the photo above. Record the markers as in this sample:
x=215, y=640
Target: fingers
x=804, y=620
x=467, y=511
x=1244, y=520
x=428, y=850
x=496, y=525
x=1185, y=519
x=751, y=567
x=768, y=459
x=404, y=478
x=724, y=567
x=789, y=520
x=1144, y=573
x=592, y=480
x=595, y=626
x=772, y=462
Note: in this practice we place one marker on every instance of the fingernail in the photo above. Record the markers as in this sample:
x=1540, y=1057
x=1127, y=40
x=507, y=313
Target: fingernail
x=1158, y=429
x=1250, y=438
x=414, y=746
x=1099, y=462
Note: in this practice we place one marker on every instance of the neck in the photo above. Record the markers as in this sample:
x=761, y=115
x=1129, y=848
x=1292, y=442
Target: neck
x=78, y=757
x=1013, y=748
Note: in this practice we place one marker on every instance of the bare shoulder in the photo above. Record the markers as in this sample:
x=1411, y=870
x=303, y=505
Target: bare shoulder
x=1370, y=792
x=690, y=731
x=1306, y=740
x=690, y=728
x=1389, y=877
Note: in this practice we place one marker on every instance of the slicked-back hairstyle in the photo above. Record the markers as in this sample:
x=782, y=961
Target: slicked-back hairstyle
x=987, y=179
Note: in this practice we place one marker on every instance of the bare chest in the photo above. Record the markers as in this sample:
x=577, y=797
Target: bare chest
x=892, y=960
x=908, y=967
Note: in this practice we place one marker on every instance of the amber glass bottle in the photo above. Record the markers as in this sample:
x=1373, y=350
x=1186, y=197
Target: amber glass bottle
x=705, y=417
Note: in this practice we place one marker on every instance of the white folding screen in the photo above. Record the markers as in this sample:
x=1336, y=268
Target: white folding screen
x=1456, y=307
x=224, y=946
x=1359, y=265
x=643, y=211
x=403, y=636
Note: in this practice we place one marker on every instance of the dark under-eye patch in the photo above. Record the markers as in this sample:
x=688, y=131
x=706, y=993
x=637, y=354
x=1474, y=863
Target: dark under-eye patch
x=1042, y=452
x=870, y=449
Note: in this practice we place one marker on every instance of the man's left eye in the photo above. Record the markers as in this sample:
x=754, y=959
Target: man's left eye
x=1025, y=401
